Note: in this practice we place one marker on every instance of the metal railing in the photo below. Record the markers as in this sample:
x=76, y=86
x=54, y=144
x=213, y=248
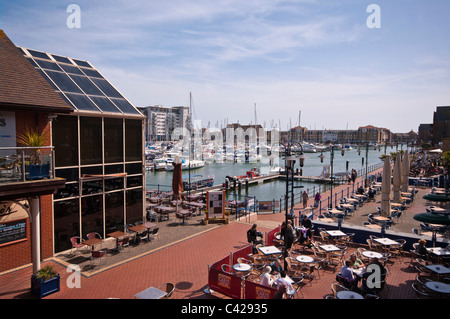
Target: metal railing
x=22, y=164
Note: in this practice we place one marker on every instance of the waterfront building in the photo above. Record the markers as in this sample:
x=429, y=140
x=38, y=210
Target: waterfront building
x=98, y=146
x=162, y=121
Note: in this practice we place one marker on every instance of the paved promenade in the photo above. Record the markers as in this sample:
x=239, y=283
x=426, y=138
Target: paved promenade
x=181, y=255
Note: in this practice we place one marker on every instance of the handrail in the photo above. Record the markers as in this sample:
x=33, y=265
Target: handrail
x=26, y=163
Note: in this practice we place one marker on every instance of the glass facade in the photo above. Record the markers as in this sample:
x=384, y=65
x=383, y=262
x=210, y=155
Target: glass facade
x=101, y=146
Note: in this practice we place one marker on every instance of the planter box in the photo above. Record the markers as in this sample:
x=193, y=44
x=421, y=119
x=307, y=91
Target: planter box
x=42, y=288
x=38, y=171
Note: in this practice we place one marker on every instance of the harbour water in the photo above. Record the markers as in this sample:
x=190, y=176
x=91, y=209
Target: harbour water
x=276, y=189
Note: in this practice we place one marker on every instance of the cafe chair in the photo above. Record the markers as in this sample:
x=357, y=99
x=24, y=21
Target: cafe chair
x=297, y=285
x=93, y=235
x=227, y=269
x=420, y=292
x=76, y=243
x=336, y=287
x=143, y=237
x=97, y=255
x=154, y=233
x=169, y=288
x=124, y=242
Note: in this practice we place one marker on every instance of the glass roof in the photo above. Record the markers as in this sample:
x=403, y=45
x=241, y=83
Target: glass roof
x=79, y=83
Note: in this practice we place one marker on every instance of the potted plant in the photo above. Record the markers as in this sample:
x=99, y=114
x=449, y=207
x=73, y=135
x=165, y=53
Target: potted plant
x=44, y=282
x=33, y=138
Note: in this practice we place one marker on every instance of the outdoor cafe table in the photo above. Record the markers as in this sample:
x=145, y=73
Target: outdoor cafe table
x=325, y=219
x=381, y=218
x=386, y=241
x=164, y=210
x=242, y=267
x=329, y=249
x=438, y=287
x=138, y=229
x=348, y=294
x=335, y=233
x=438, y=269
x=92, y=242
x=117, y=234
x=439, y=252
x=269, y=250
x=371, y=254
x=183, y=214
x=304, y=259
x=151, y=293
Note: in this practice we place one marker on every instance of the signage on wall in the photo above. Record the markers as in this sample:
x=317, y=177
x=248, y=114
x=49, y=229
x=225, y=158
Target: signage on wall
x=13, y=222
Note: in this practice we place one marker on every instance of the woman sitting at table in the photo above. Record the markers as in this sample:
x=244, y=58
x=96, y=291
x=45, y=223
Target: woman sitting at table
x=421, y=250
x=356, y=263
x=346, y=275
x=281, y=281
x=266, y=278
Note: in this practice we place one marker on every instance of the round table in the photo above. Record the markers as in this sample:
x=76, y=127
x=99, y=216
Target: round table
x=304, y=259
x=438, y=286
x=347, y=294
x=242, y=267
x=371, y=254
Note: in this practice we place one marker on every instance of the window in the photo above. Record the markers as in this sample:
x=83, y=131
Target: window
x=65, y=140
x=114, y=141
x=133, y=140
x=67, y=223
x=90, y=140
x=92, y=215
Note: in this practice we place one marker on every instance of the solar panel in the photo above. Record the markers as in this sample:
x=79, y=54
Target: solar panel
x=80, y=84
x=86, y=85
x=61, y=59
x=48, y=65
x=104, y=104
x=81, y=102
x=71, y=69
x=64, y=83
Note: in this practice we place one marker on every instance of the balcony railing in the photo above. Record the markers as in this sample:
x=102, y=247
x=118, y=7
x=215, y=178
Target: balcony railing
x=22, y=164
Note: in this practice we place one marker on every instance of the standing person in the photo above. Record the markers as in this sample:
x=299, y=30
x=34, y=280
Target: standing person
x=353, y=175
x=288, y=234
x=317, y=199
x=305, y=199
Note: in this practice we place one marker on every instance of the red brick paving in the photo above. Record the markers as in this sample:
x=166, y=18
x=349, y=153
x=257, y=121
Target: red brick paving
x=185, y=264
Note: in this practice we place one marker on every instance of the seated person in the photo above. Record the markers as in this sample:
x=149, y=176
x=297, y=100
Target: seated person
x=266, y=278
x=280, y=292
x=276, y=267
x=356, y=263
x=421, y=249
x=253, y=234
x=346, y=276
x=282, y=281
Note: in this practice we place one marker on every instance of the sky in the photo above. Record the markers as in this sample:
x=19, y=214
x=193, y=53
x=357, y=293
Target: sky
x=337, y=64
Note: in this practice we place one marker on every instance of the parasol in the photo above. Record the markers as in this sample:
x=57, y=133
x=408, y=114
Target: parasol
x=433, y=218
x=397, y=179
x=386, y=188
x=405, y=172
x=177, y=179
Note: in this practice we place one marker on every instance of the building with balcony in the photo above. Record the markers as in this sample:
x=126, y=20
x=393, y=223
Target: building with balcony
x=95, y=148
x=162, y=121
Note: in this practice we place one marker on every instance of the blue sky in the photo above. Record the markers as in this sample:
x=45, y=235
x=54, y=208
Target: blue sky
x=286, y=56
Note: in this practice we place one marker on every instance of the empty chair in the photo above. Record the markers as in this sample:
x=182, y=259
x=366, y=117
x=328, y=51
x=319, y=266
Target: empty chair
x=169, y=288
x=97, y=255
x=124, y=242
x=154, y=233
x=421, y=293
x=76, y=243
x=93, y=235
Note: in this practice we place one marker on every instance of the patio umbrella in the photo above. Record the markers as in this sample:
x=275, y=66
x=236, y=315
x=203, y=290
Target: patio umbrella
x=177, y=179
x=397, y=178
x=433, y=218
x=386, y=188
x=405, y=172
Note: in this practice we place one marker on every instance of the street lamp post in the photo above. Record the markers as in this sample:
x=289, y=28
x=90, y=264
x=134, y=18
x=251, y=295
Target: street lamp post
x=289, y=166
x=332, y=166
